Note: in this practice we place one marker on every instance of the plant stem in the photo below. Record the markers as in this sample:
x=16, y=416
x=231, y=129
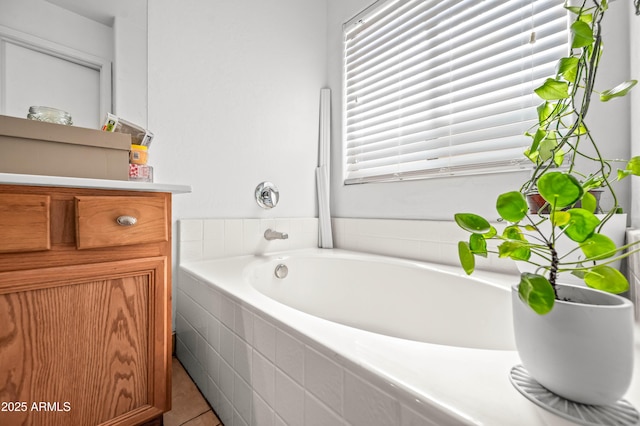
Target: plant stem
x=553, y=272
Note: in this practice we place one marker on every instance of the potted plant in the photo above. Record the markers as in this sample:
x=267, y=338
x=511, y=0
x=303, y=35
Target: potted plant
x=558, y=326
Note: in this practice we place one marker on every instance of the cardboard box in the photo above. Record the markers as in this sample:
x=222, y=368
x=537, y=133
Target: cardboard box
x=39, y=148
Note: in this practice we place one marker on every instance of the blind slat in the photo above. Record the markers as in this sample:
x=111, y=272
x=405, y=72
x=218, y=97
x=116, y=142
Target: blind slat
x=440, y=87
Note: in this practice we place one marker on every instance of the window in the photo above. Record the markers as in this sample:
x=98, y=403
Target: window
x=441, y=87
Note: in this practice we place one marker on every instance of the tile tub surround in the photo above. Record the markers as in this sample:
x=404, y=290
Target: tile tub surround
x=424, y=240
x=202, y=239
x=261, y=362
x=255, y=370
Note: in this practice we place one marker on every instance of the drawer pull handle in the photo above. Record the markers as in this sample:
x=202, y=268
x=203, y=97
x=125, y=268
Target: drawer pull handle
x=126, y=220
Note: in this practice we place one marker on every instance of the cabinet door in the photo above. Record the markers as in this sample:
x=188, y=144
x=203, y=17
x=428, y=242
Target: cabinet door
x=84, y=345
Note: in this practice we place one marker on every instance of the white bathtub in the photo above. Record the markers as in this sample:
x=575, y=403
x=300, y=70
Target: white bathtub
x=397, y=298
x=352, y=339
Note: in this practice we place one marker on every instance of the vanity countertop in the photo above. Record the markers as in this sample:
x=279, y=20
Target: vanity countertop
x=58, y=181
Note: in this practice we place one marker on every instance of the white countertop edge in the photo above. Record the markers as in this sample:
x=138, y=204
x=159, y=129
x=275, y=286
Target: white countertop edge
x=74, y=182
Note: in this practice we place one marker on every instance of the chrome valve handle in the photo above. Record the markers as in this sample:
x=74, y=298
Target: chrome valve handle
x=267, y=195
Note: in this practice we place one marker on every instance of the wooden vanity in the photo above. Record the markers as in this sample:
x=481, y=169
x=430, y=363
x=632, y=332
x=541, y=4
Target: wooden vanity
x=85, y=302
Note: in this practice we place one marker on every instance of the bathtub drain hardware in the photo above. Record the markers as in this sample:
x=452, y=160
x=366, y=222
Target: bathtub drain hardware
x=281, y=271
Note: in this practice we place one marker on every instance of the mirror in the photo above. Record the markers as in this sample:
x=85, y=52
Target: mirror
x=101, y=42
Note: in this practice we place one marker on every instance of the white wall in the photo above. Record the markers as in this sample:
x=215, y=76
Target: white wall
x=45, y=20
x=439, y=199
x=130, y=65
x=234, y=100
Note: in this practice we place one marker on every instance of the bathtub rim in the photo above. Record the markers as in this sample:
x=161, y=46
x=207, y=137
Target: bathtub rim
x=494, y=363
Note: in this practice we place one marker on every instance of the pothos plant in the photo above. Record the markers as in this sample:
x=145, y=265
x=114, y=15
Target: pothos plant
x=561, y=138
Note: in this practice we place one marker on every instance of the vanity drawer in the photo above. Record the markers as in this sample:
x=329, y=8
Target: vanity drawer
x=24, y=223
x=105, y=221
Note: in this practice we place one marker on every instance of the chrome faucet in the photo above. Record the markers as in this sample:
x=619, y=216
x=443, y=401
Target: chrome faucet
x=270, y=234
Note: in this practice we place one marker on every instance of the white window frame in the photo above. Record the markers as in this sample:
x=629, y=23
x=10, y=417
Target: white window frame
x=535, y=30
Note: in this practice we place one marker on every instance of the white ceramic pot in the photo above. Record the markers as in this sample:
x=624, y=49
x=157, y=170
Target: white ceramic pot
x=582, y=350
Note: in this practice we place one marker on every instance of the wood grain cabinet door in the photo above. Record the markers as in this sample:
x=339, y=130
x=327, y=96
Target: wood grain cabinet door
x=97, y=221
x=85, y=345
x=24, y=223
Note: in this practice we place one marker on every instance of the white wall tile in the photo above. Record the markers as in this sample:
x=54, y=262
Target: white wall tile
x=227, y=343
x=364, y=404
x=263, y=378
x=225, y=410
x=264, y=338
x=212, y=364
x=238, y=420
x=242, y=358
x=242, y=399
x=324, y=378
x=191, y=251
x=227, y=312
x=213, y=238
x=186, y=334
x=263, y=414
x=213, y=395
x=227, y=380
x=213, y=332
x=279, y=421
x=244, y=323
x=318, y=414
x=290, y=356
x=289, y=399
x=190, y=230
x=233, y=237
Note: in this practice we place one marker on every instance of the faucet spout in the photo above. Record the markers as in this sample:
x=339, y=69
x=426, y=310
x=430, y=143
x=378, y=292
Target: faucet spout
x=270, y=234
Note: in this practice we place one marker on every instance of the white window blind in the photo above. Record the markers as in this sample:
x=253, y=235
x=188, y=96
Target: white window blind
x=441, y=87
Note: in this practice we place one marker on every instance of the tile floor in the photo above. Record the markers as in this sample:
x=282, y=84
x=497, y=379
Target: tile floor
x=188, y=406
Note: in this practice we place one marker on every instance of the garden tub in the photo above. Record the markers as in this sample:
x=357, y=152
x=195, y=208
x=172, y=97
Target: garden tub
x=318, y=337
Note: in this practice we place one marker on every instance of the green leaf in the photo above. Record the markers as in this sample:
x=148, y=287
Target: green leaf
x=472, y=223
x=537, y=292
x=623, y=174
x=515, y=249
x=553, y=89
x=575, y=9
x=467, y=260
x=589, y=202
x=558, y=157
x=633, y=166
x=512, y=206
x=559, y=189
x=592, y=182
x=579, y=273
x=582, y=34
x=545, y=110
x=492, y=233
x=581, y=225
x=539, y=136
x=547, y=146
x=513, y=232
x=478, y=245
x=620, y=90
x=606, y=278
x=568, y=68
x=598, y=247
x=560, y=218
